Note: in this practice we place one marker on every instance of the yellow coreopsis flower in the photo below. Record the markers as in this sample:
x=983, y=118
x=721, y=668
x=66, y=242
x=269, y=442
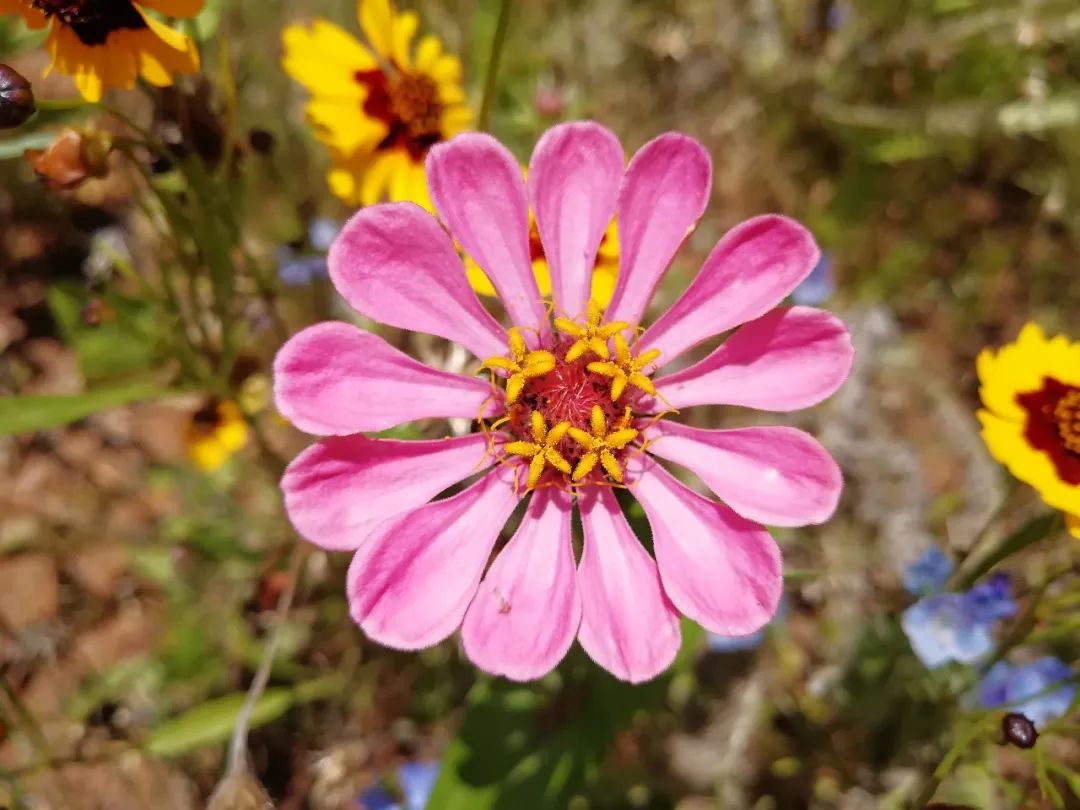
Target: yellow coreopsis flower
x=110, y=43
x=379, y=109
x=605, y=270
x=216, y=432
x=1030, y=390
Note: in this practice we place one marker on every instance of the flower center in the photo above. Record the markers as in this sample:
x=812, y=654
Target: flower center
x=93, y=20
x=567, y=393
x=414, y=98
x=570, y=404
x=1053, y=425
x=1067, y=414
x=409, y=105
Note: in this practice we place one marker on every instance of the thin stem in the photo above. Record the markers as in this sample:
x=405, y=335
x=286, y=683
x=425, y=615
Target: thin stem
x=238, y=760
x=26, y=719
x=492, y=78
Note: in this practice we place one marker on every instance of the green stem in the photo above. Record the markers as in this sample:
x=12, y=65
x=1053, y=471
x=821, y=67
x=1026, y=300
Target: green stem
x=238, y=755
x=491, y=80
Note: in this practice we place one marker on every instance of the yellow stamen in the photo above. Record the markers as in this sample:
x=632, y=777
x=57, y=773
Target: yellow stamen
x=591, y=337
x=524, y=366
x=627, y=370
x=543, y=451
x=599, y=445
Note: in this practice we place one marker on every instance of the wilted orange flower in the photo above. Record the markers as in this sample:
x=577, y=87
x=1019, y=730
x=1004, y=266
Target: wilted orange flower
x=75, y=156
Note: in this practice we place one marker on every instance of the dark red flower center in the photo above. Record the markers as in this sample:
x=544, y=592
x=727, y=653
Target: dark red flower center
x=1053, y=425
x=568, y=393
x=93, y=20
x=409, y=105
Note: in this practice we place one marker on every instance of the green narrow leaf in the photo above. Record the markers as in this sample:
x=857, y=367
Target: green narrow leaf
x=1031, y=532
x=212, y=722
x=31, y=413
x=121, y=346
x=1046, y=785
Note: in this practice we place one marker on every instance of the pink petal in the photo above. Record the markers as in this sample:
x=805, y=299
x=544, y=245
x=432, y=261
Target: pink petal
x=574, y=180
x=338, y=490
x=628, y=625
x=395, y=264
x=478, y=190
x=333, y=379
x=721, y=570
x=663, y=196
x=410, y=584
x=527, y=611
x=751, y=270
x=775, y=475
x=790, y=359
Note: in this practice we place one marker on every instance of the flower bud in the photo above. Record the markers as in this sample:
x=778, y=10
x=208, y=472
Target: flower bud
x=549, y=102
x=16, y=98
x=262, y=141
x=1018, y=730
x=72, y=158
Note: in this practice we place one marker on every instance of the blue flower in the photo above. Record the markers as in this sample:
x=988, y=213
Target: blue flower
x=298, y=271
x=1042, y=690
x=322, y=231
x=376, y=798
x=942, y=628
x=297, y=268
x=416, y=780
x=929, y=573
x=992, y=600
x=818, y=287
x=729, y=644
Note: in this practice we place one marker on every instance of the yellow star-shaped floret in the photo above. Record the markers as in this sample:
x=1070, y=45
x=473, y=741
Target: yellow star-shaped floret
x=544, y=450
x=627, y=370
x=592, y=336
x=524, y=366
x=599, y=445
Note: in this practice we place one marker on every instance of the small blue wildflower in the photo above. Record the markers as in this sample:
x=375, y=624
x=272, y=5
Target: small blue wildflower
x=322, y=231
x=298, y=271
x=992, y=600
x=416, y=780
x=942, y=628
x=929, y=573
x=297, y=268
x=1042, y=690
x=376, y=798
x=730, y=644
x=838, y=14
x=818, y=287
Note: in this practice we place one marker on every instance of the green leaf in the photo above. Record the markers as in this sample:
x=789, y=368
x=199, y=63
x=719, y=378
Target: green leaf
x=1031, y=532
x=14, y=147
x=122, y=345
x=208, y=21
x=32, y=413
x=518, y=749
x=212, y=722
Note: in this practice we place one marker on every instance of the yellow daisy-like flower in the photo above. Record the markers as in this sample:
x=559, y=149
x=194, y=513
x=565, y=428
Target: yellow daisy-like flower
x=379, y=109
x=216, y=432
x=110, y=43
x=605, y=270
x=1030, y=391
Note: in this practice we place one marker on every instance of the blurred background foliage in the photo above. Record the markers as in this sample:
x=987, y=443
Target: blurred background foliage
x=933, y=146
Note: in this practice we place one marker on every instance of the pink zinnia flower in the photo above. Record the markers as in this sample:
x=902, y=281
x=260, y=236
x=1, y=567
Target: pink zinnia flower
x=570, y=412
